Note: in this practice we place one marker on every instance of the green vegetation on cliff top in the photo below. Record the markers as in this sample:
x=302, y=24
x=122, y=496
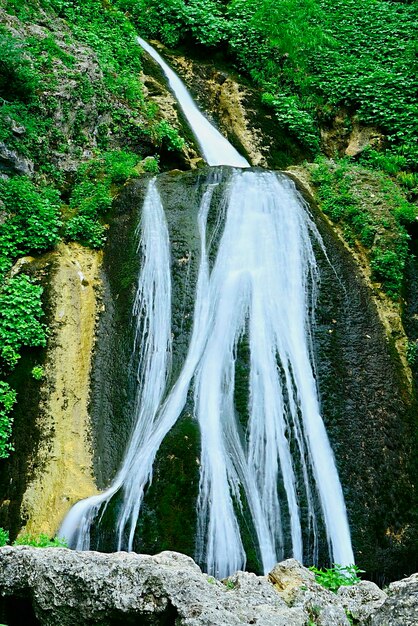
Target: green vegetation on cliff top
x=311, y=57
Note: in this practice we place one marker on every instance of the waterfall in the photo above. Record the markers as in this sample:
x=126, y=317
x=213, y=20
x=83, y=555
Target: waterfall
x=152, y=313
x=257, y=281
x=215, y=148
x=264, y=271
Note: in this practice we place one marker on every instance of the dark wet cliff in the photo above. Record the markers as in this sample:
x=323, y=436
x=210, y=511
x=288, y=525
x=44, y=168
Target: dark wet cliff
x=367, y=402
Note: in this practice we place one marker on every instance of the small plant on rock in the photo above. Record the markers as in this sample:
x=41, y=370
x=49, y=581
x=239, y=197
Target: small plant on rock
x=40, y=541
x=38, y=372
x=4, y=538
x=337, y=576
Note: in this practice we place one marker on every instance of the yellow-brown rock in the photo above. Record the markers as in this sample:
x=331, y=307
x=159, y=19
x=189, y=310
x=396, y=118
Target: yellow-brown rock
x=64, y=463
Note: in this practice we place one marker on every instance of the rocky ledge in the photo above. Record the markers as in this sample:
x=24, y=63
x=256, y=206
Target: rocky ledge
x=56, y=586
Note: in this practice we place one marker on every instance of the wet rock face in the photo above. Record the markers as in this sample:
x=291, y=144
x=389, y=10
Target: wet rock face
x=51, y=468
x=167, y=519
x=368, y=410
x=47, y=587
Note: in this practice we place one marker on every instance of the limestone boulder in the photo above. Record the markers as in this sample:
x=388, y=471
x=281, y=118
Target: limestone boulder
x=361, y=600
x=70, y=588
x=57, y=586
x=401, y=605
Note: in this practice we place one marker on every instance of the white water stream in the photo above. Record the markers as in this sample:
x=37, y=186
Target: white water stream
x=261, y=286
x=215, y=148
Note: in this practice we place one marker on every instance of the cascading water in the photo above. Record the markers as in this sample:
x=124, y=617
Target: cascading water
x=215, y=148
x=256, y=284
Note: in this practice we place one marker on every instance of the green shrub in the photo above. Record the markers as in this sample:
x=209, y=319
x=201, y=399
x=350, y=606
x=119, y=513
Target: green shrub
x=91, y=198
x=7, y=400
x=18, y=78
x=337, y=576
x=4, y=537
x=85, y=230
x=10, y=356
x=408, y=180
x=348, y=194
x=37, y=541
x=412, y=352
x=291, y=116
x=32, y=217
x=40, y=541
x=21, y=313
x=119, y=165
x=150, y=165
x=92, y=195
x=164, y=134
x=389, y=163
x=38, y=372
x=388, y=268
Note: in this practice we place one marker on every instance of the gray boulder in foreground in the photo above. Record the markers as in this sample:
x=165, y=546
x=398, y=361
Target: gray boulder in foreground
x=401, y=606
x=61, y=587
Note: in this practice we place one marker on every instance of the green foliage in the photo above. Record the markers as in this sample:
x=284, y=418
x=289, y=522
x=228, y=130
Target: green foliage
x=389, y=163
x=4, y=537
x=38, y=122
x=32, y=219
x=17, y=78
x=229, y=584
x=150, y=165
x=293, y=118
x=89, y=232
x=176, y=20
x=40, y=541
x=372, y=209
x=350, y=617
x=412, y=352
x=36, y=541
x=91, y=196
x=7, y=400
x=388, y=268
x=119, y=165
x=45, y=65
x=337, y=576
x=164, y=134
x=311, y=57
x=20, y=326
x=20, y=314
x=107, y=31
x=38, y=372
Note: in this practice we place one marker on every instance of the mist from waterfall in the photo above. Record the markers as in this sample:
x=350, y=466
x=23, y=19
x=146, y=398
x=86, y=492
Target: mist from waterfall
x=257, y=282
